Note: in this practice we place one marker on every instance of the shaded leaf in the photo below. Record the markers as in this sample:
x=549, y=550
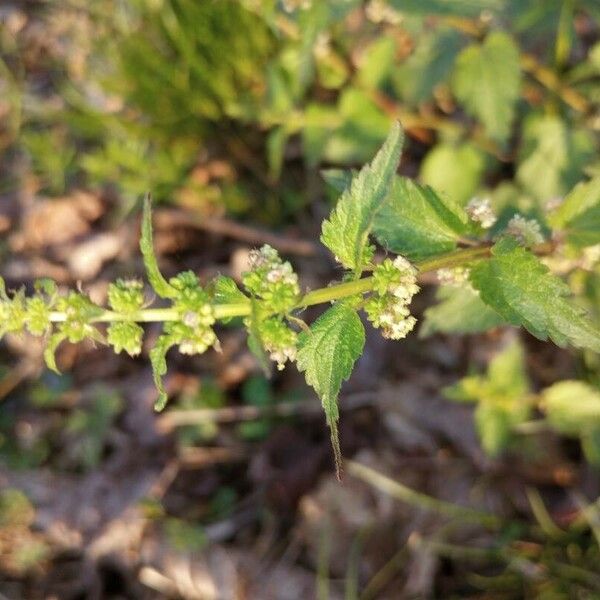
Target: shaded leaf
x=459, y=310
x=415, y=222
x=487, y=79
x=522, y=290
x=579, y=214
x=553, y=156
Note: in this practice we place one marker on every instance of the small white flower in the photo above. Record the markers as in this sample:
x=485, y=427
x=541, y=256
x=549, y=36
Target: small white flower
x=480, y=210
x=400, y=329
x=527, y=231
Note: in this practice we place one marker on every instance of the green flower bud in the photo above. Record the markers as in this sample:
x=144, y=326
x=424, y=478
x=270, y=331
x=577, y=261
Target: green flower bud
x=193, y=332
x=126, y=296
x=13, y=313
x=38, y=315
x=79, y=311
x=191, y=340
x=278, y=340
x=127, y=336
x=272, y=280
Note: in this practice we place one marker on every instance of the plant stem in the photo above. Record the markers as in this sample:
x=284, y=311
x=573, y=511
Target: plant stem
x=418, y=499
x=320, y=296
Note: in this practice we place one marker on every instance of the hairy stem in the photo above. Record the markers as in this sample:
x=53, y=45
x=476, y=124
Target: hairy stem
x=320, y=296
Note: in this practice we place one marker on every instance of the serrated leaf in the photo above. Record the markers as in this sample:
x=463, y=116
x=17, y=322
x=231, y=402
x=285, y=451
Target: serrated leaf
x=579, y=214
x=158, y=361
x=522, y=290
x=487, y=79
x=416, y=222
x=338, y=179
x=346, y=232
x=159, y=284
x=459, y=310
x=326, y=355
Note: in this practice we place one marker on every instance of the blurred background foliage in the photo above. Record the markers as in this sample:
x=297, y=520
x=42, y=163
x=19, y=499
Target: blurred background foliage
x=231, y=108
x=139, y=94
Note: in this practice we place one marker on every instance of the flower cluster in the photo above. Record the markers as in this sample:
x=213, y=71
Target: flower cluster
x=527, y=231
x=278, y=340
x=13, y=313
x=272, y=280
x=79, y=312
x=394, y=285
x=193, y=331
x=480, y=210
x=127, y=298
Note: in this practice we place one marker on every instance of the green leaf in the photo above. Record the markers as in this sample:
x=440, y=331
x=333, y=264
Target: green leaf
x=572, y=407
x=590, y=444
x=338, y=179
x=255, y=342
x=493, y=424
x=428, y=66
x=376, y=62
x=226, y=291
x=501, y=396
x=415, y=222
x=522, y=290
x=553, y=156
x=159, y=284
x=50, y=351
x=346, y=233
x=579, y=214
x=326, y=354
x=504, y=383
x=459, y=310
x=439, y=170
x=487, y=79
x=158, y=360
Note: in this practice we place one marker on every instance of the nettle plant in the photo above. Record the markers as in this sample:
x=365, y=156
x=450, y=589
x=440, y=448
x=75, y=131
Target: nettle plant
x=490, y=276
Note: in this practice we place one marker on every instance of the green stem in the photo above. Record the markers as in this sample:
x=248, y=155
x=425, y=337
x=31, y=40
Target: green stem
x=418, y=499
x=320, y=296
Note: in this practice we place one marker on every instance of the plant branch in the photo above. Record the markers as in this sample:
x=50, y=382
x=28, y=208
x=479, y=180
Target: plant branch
x=320, y=296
